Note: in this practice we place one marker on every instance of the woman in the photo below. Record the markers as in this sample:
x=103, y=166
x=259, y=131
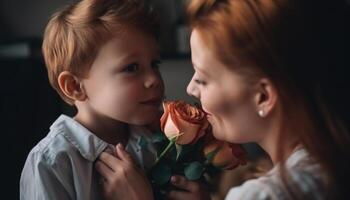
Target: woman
x=261, y=70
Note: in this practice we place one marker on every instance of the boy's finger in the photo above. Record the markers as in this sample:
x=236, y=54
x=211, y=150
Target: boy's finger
x=109, y=160
x=177, y=195
x=182, y=183
x=103, y=170
x=123, y=155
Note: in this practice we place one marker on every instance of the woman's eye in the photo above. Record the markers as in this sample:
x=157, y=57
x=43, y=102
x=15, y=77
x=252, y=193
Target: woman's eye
x=199, y=82
x=131, y=68
x=156, y=64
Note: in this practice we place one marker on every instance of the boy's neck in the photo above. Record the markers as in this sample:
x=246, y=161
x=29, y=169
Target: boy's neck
x=107, y=129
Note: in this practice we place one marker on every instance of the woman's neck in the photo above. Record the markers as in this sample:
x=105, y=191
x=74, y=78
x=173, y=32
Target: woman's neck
x=279, y=153
x=279, y=143
x=107, y=129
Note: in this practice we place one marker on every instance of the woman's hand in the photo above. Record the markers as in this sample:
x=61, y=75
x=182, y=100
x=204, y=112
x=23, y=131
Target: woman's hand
x=189, y=189
x=122, y=179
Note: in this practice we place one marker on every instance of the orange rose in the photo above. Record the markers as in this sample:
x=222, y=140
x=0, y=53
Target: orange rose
x=224, y=155
x=184, y=122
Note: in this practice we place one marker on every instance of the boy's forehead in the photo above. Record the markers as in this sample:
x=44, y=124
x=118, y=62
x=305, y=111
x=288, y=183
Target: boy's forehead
x=130, y=44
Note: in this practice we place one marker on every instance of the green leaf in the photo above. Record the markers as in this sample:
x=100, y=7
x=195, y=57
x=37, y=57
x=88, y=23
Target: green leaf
x=212, y=170
x=161, y=174
x=143, y=143
x=183, y=150
x=178, y=151
x=194, y=171
x=165, y=151
x=172, y=154
x=159, y=137
x=210, y=156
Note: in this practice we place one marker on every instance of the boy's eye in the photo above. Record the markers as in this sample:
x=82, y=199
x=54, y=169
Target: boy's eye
x=131, y=68
x=156, y=64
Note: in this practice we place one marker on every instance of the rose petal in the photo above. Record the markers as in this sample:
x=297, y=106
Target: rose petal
x=170, y=129
x=190, y=131
x=165, y=115
x=189, y=121
x=201, y=133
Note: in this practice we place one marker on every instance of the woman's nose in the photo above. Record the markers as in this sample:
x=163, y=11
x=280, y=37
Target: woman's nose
x=192, y=89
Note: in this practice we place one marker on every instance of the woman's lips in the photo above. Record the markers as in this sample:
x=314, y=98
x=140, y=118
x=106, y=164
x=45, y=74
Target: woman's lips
x=207, y=113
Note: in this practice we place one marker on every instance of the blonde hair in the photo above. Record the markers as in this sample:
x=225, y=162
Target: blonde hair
x=74, y=34
x=286, y=40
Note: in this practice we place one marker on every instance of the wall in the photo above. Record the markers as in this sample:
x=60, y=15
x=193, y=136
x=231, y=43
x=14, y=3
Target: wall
x=25, y=19
x=176, y=74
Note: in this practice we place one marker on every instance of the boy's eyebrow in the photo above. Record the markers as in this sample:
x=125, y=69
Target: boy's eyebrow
x=128, y=56
x=125, y=58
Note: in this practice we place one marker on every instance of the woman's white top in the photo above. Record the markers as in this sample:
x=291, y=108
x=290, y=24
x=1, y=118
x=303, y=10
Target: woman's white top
x=307, y=177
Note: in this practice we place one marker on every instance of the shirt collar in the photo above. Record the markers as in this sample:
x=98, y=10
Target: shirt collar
x=136, y=132
x=88, y=144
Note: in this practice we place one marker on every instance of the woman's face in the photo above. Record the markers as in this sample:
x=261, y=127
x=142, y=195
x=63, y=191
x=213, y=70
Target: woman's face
x=224, y=94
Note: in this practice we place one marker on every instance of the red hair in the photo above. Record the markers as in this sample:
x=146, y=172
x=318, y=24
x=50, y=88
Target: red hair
x=74, y=34
x=286, y=41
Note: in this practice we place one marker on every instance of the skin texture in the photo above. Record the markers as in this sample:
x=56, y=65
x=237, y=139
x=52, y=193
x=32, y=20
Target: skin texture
x=123, y=86
x=232, y=102
x=123, y=77
x=132, y=183
x=224, y=94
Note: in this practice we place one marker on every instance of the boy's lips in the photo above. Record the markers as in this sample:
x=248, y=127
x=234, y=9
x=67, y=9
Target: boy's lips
x=153, y=101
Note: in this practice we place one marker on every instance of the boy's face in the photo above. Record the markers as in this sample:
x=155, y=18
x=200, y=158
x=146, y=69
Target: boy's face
x=124, y=82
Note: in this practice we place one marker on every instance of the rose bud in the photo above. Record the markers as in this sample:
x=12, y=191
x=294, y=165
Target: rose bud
x=183, y=122
x=224, y=155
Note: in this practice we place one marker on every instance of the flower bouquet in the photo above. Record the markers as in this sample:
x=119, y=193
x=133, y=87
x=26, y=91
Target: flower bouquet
x=187, y=147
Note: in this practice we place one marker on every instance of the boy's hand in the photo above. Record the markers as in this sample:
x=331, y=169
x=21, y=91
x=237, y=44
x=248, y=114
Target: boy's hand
x=122, y=179
x=189, y=189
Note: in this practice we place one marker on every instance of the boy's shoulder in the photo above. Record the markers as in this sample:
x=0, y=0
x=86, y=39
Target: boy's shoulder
x=55, y=144
x=67, y=139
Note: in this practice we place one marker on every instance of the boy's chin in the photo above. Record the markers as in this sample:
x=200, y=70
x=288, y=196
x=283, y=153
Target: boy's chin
x=146, y=120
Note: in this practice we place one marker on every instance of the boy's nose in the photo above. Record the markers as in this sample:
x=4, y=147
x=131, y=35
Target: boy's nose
x=153, y=79
x=192, y=89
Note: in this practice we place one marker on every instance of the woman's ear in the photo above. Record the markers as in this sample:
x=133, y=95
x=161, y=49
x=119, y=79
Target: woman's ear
x=71, y=86
x=266, y=97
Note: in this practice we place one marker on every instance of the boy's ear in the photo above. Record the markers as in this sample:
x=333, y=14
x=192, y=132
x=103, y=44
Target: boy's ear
x=71, y=86
x=266, y=97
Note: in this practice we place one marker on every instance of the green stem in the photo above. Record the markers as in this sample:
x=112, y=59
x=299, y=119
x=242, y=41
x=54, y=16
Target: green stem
x=171, y=143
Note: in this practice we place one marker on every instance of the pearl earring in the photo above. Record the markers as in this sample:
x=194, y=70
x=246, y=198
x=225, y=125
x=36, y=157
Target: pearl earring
x=261, y=113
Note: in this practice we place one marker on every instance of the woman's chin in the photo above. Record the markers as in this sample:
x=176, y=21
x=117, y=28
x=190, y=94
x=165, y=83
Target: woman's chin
x=218, y=134
x=228, y=136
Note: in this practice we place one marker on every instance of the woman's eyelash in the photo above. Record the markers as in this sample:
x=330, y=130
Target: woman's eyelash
x=199, y=82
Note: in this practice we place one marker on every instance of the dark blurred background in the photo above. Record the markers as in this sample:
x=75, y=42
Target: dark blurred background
x=28, y=103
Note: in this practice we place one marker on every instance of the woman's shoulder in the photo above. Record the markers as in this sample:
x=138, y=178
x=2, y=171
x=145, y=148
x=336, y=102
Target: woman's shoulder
x=272, y=187
x=302, y=175
x=259, y=189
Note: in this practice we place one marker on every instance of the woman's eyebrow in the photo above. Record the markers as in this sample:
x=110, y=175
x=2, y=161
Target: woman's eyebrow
x=199, y=69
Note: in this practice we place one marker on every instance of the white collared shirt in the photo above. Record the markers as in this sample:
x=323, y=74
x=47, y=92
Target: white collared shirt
x=61, y=165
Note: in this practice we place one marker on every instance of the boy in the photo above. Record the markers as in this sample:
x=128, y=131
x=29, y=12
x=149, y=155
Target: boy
x=102, y=57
